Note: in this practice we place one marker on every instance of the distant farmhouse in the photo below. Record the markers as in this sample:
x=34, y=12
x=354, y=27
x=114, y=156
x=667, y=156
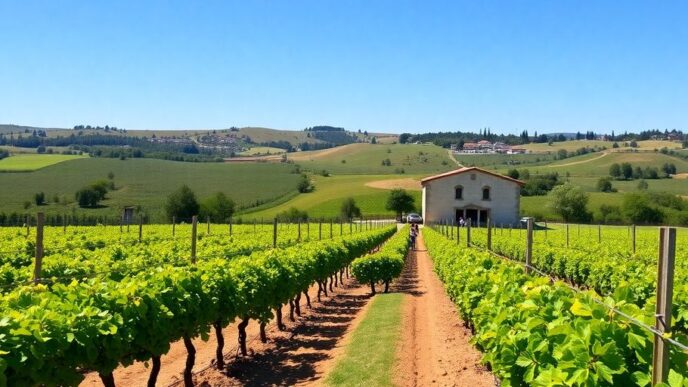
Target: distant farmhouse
x=485, y=146
x=471, y=193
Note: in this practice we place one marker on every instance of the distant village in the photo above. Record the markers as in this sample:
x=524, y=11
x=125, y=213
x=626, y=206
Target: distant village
x=485, y=146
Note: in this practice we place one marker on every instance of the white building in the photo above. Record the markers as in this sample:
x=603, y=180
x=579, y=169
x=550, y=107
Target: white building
x=471, y=193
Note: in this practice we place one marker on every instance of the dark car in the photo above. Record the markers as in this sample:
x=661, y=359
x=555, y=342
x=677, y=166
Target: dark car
x=414, y=218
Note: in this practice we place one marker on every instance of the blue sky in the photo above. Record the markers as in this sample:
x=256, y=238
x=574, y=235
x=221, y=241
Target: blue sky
x=388, y=66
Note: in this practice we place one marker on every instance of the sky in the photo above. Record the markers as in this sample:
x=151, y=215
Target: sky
x=376, y=65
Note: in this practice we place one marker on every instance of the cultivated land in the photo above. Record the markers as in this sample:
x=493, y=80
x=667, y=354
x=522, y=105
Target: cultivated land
x=145, y=183
x=32, y=162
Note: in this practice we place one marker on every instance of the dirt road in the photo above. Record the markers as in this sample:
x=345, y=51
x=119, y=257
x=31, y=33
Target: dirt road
x=435, y=348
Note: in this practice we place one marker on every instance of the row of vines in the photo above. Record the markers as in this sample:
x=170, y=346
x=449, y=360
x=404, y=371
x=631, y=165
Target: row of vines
x=51, y=333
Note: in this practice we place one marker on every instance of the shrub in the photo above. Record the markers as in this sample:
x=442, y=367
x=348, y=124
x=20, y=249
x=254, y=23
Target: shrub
x=182, y=204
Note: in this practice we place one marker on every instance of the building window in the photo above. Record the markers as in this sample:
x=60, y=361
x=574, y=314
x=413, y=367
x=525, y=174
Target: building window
x=458, y=193
x=486, y=193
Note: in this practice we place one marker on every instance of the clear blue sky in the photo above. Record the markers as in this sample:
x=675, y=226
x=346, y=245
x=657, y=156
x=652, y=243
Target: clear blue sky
x=378, y=65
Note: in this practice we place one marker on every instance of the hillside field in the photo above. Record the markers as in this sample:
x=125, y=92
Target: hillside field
x=145, y=183
x=32, y=162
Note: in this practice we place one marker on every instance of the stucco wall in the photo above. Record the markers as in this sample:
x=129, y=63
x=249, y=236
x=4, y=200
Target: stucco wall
x=439, y=203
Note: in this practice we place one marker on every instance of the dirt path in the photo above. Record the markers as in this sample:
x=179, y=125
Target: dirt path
x=435, y=348
x=579, y=162
x=300, y=355
x=452, y=158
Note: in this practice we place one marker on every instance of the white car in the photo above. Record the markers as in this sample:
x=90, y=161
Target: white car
x=414, y=218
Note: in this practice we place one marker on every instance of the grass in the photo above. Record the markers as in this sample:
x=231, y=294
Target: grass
x=365, y=159
x=497, y=161
x=647, y=145
x=326, y=200
x=145, y=183
x=261, y=150
x=33, y=162
x=370, y=355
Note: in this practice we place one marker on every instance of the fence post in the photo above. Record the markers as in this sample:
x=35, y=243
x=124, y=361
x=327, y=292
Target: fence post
x=468, y=233
x=458, y=233
x=140, y=228
x=665, y=289
x=40, y=220
x=298, y=227
x=341, y=228
x=489, y=234
x=529, y=245
x=320, y=229
x=207, y=222
x=121, y=223
x=194, y=230
x=27, y=221
x=567, y=235
x=330, y=229
x=274, y=233
x=174, y=224
x=64, y=224
x=633, y=235
x=351, y=226
x=545, y=230
x=599, y=233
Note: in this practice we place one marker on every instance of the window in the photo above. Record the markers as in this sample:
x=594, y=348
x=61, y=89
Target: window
x=458, y=193
x=486, y=193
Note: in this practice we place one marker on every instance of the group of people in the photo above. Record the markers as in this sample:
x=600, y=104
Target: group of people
x=413, y=234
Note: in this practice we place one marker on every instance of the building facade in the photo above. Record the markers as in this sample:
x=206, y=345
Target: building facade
x=471, y=193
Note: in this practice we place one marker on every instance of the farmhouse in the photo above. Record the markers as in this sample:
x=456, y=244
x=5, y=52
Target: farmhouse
x=471, y=193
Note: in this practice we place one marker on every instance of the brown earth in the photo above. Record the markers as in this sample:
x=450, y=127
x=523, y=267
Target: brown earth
x=435, y=347
x=407, y=183
x=680, y=176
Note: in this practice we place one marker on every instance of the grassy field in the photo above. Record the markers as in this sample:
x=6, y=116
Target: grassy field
x=145, y=183
x=261, y=150
x=368, y=158
x=497, y=161
x=369, y=356
x=326, y=200
x=33, y=162
x=648, y=145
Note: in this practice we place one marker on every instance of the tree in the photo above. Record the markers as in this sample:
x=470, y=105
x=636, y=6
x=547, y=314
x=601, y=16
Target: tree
x=373, y=140
x=293, y=214
x=39, y=198
x=604, y=184
x=627, y=171
x=88, y=197
x=513, y=173
x=349, y=209
x=570, y=202
x=637, y=208
x=615, y=171
x=404, y=138
x=400, y=202
x=304, y=185
x=182, y=203
x=219, y=208
x=642, y=185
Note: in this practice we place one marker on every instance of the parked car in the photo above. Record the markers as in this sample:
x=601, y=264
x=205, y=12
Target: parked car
x=414, y=218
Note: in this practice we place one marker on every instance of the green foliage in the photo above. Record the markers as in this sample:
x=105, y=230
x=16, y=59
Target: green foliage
x=293, y=214
x=570, y=202
x=39, y=198
x=88, y=197
x=384, y=265
x=219, y=208
x=400, y=202
x=513, y=173
x=638, y=208
x=534, y=332
x=304, y=184
x=604, y=184
x=537, y=185
x=182, y=204
x=349, y=209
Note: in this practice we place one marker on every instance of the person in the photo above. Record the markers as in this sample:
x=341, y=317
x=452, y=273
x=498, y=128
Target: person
x=462, y=222
x=412, y=236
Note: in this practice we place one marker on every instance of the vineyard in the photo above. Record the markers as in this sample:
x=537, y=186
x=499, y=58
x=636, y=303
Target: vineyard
x=103, y=296
x=582, y=318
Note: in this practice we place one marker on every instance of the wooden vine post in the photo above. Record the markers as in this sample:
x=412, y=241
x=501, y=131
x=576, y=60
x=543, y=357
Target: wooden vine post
x=140, y=228
x=567, y=235
x=665, y=290
x=27, y=222
x=194, y=230
x=458, y=233
x=633, y=237
x=599, y=233
x=330, y=229
x=529, y=245
x=174, y=224
x=298, y=228
x=468, y=233
x=40, y=220
x=489, y=234
x=230, y=226
x=320, y=230
x=207, y=221
x=545, y=230
x=274, y=233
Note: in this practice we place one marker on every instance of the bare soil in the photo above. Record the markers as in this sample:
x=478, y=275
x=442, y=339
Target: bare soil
x=407, y=183
x=435, y=347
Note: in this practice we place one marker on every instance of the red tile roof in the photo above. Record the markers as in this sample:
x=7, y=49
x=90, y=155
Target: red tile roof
x=469, y=169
